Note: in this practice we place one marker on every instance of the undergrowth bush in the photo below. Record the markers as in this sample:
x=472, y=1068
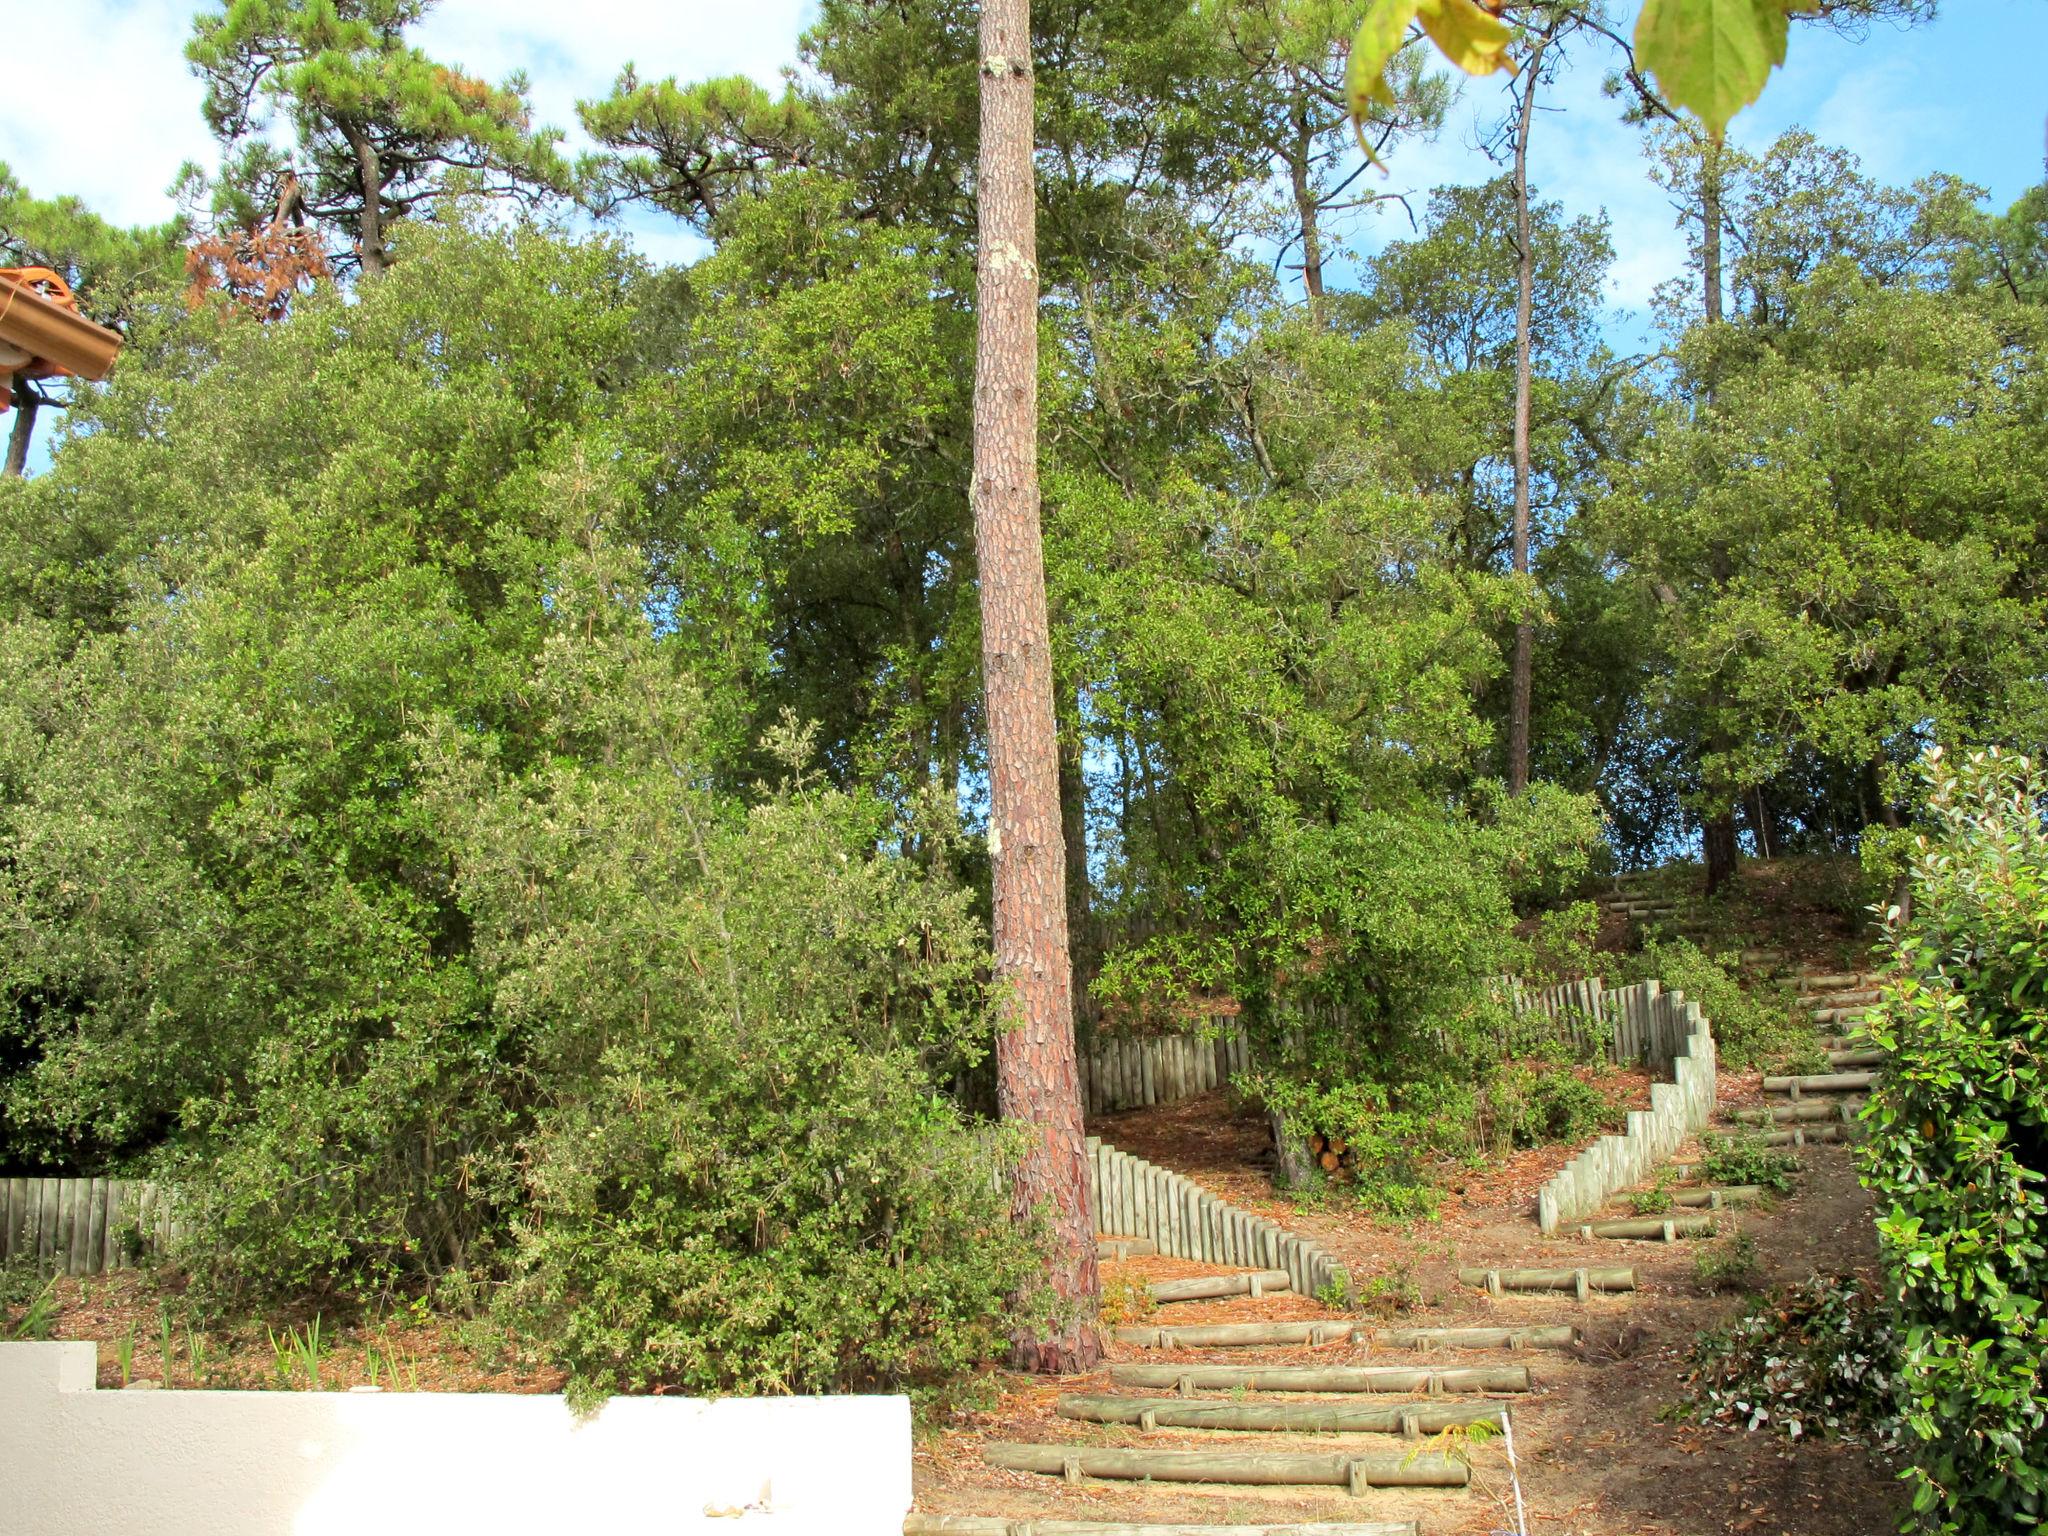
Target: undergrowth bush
x=1814, y=1359
x=1746, y=1158
x=1536, y=1105
x=1958, y=1147
x=1749, y=1024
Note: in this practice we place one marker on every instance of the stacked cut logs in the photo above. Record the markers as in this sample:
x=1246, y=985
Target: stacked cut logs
x=1333, y=1154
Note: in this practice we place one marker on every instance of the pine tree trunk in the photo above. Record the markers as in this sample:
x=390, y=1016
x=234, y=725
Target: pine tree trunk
x=1717, y=833
x=26, y=404
x=371, y=177
x=1037, y=1081
x=1074, y=830
x=1522, y=675
x=1710, y=225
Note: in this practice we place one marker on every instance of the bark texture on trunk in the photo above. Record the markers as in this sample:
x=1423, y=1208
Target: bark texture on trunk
x=1718, y=839
x=372, y=178
x=1717, y=833
x=1037, y=1081
x=26, y=404
x=1522, y=676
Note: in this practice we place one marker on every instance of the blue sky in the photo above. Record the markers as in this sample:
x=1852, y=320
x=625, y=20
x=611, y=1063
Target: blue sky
x=1962, y=95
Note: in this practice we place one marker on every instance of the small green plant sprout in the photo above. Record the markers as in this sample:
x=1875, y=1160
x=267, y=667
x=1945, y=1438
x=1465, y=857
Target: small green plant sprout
x=164, y=1347
x=307, y=1347
x=1747, y=1159
x=280, y=1356
x=195, y=1355
x=36, y=1318
x=124, y=1355
x=85, y=1293
x=1655, y=1200
x=1335, y=1293
x=1727, y=1265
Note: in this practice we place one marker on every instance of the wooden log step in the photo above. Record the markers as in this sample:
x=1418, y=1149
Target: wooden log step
x=1656, y=1229
x=1208, y=1287
x=1842, y=1110
x=1840, y=981
x=1190, y=1379
x=1150, y=1413
x=1824, y=1082
x=1582, y=1281
x=1843, y=1057
x=1236, y=1335
x=1559, y=1336
x=1715, y=1199
x=1108, y=1247
x=997, y=1525
x=1800, y=1135
x=1270, y=1469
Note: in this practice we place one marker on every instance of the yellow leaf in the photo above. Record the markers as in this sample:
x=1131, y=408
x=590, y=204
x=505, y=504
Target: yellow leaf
x=1473, y=39
x=1380, y=36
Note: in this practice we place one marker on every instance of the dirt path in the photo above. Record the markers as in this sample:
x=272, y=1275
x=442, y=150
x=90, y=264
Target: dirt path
x=1593, y=1458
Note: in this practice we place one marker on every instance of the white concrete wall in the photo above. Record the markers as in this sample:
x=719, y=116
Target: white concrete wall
x=74, y=1459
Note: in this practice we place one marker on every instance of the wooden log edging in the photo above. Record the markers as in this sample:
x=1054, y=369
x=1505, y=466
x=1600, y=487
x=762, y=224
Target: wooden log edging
x=1259, y=1282
x=1549, y=1336
x=1671, y=1029
x=79, y=1226
x=1251, y=1468
x=995, y=1525
x=1237, y=1335
x=1149, y=1413
x=1134, y=1198
x=1190, y=1379
x=1582, y=1281
x=1655, y=1229
x=1134, y=1071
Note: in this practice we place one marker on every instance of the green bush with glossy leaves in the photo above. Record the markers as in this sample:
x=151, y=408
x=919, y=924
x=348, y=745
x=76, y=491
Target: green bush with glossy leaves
x=1958, y=1148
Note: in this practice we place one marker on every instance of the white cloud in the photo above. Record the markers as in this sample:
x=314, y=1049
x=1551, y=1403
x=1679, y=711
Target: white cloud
x=98, y=102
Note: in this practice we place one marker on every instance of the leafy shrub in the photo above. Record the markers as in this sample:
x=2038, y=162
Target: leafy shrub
x=1748, y=1025
x=1533, y=1106
x=1727, y=1265
x=1958, y=1150
x=739, y=1177
x=1388, y=1293
x=1746, y=1158
x=1816, y=1358
x=1562, y=946
x=1655, y=1200
x=1399, y=1200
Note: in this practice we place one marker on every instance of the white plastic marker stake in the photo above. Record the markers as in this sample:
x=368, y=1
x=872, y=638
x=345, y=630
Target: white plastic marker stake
x=1507, y=1424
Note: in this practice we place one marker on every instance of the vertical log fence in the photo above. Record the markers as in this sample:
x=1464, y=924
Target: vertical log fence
x=1134, y=1198
x=83, y=1226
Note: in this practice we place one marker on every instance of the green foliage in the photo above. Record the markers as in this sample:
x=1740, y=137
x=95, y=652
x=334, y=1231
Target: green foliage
x=1744, y=1158
x=1562, y=948
x=384, y=132
x=1655, y=1200
x=1958, y=1148
x=1749, y=1025
x=28, y=1301
x=1534, y=1105
x=1815, y=1359
x=1729, y=1264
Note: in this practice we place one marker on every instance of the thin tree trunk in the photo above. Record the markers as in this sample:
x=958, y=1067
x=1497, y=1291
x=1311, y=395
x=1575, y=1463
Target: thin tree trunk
x=1309, y=213
x=1037, y=1081
x=1522, y=678
x=26, y=404
x=1074, y=826
x=1710, y=225
x=371, y=176
x=1717, y=833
